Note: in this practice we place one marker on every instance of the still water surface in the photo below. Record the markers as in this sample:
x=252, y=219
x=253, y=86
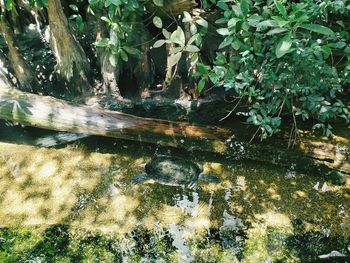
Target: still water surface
x=76, y=203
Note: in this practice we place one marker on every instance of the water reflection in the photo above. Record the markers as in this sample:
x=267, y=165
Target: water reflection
x=82, y=195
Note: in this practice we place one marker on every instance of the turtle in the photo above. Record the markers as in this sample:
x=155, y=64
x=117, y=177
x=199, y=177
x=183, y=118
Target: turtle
x=173, y=171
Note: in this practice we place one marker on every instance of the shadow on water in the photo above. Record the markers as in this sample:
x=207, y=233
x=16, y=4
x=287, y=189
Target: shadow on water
x=75, y=203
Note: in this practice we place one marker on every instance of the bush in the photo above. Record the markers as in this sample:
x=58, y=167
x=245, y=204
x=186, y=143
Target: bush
x=284, y=59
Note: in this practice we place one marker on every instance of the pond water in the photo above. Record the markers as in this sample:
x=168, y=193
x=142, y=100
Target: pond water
x=76, y=203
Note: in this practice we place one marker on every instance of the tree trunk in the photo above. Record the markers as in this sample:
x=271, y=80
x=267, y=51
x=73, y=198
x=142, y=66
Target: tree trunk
x=72, y=63
x=24, y=73
x=109, y=73
x=4, y=81
x=173, y=84
x=316, y=157
x=143, y=71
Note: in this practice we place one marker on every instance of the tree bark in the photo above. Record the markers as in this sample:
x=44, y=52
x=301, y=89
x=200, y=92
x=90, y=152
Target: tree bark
x=4, y=81
x=24, y=73
x=143, y=70
x=109, y=73
x=315, y=156
x=72, y=63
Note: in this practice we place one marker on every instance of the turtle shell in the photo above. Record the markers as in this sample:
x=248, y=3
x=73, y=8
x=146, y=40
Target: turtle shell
x=173, y=170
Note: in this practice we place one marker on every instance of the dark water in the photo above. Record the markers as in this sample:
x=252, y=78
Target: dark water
x=76, y=202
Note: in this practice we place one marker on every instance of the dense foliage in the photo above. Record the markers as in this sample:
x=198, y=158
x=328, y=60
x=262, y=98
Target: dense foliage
x=284, y=60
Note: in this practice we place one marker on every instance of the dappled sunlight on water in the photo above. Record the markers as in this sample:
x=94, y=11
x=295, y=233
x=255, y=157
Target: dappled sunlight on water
x=90, y=187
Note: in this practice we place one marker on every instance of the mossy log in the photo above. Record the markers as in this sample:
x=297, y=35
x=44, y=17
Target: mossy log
x=54, y=114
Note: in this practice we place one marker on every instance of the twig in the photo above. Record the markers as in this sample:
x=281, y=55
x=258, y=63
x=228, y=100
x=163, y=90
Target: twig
x=296, y=131
x=255, y=134
x=231, y=111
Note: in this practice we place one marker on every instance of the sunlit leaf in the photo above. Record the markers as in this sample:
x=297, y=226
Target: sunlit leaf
x=318, y=29
x=178, y=37
x=276, y=31
x=283, y=46
x=158, y=2
x=200, y=21
x=157, y=21
x=187, y=17
x=102, y=43
x=113, y=60
x=280, y=7
x=192, y=39
x=223, y=31
x=174, y=59
x=192, y=48
x=166, y=33
x=131, y=50
x=159, y=43
x=74, y=8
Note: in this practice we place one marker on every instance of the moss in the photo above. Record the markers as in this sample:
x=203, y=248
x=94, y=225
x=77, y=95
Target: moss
x=336, y=178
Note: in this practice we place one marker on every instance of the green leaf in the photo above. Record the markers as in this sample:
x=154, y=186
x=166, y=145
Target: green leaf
x=283, y=46
x=79, y=23
x=200, y=21
x=193, y=28
x=111, y=11
x=157, y=21
x=192, y=39
x=237, y=10
x=113, y=60
x=175, y=50
x=72, y=17
x=276, y=31
x=201, y=85
x=233, y=21
x=318, y=29
x=131, y=50
x=326, y=52
x=174, y=59
x=223, y=31
x=178, y=37
x=9, y=5
x=116, y=2
x=244, y=7
x=102, y=43
x=227, y=41
x=266, y=23
x=202, y=69
x=74, y=8
x=159, y=43
x=192, y=48
x=124, y=55
x=280, y=8
x=158, y=2
x=222, y=6
x=187, y=17
x=166, y=33
x=106, y=19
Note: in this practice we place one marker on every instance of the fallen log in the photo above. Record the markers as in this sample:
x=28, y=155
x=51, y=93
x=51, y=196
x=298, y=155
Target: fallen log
x=54, y=114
